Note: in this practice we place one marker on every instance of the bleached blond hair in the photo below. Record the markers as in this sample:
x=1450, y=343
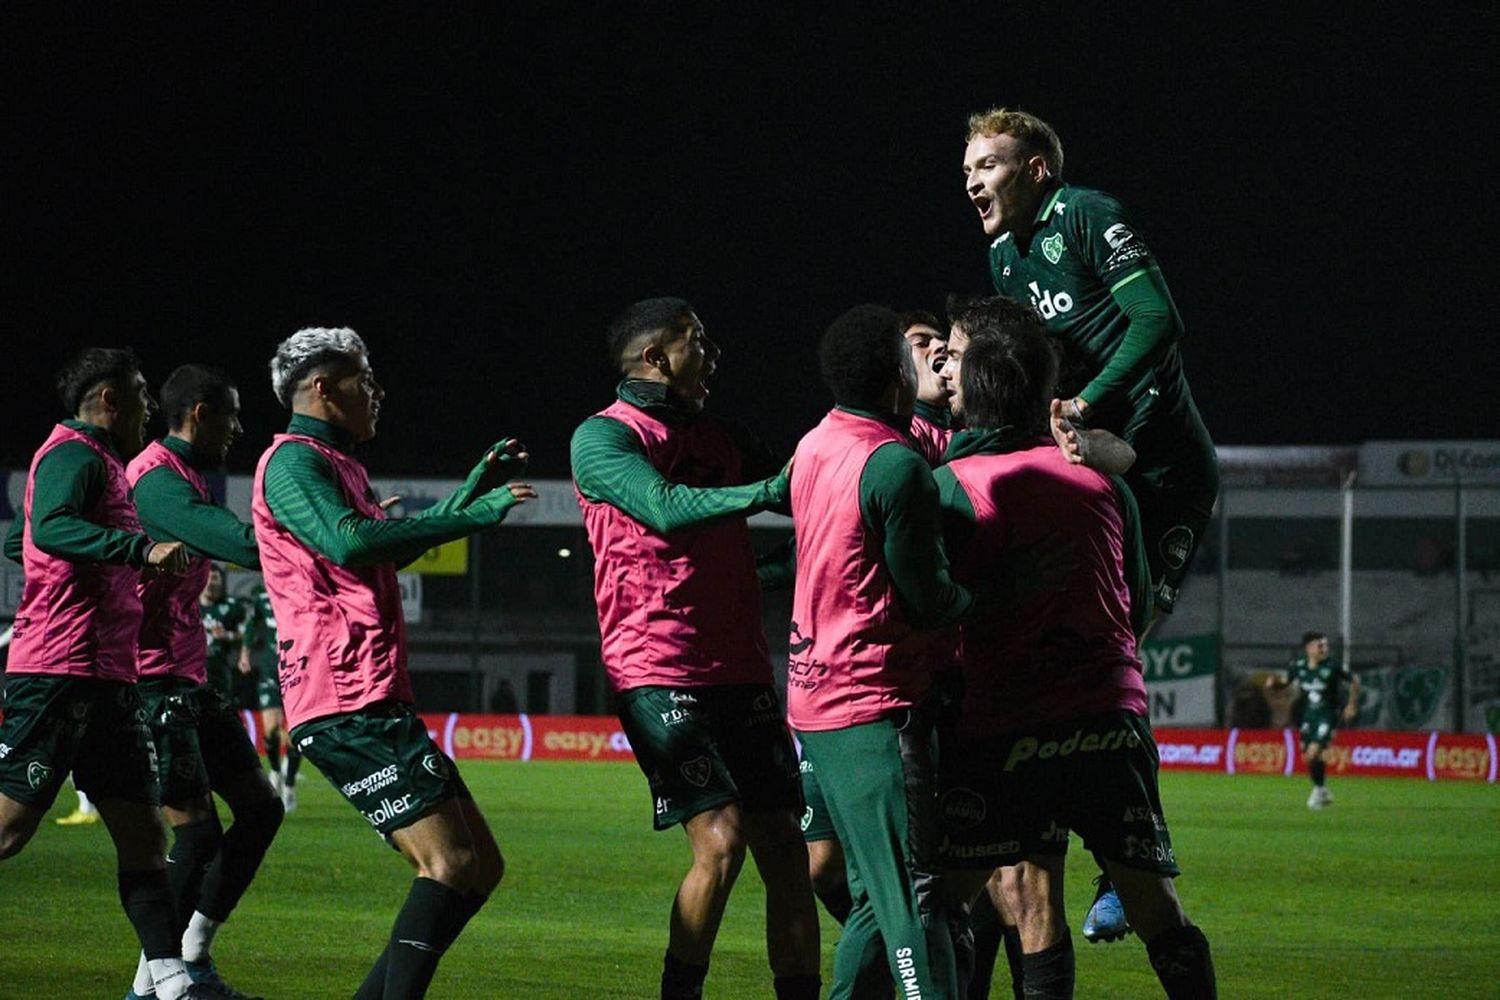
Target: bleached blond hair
x=1034, y=135
x=308, y=350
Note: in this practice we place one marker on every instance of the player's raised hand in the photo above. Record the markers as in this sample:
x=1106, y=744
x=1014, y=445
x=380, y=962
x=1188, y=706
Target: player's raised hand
x=490, y=508
x=1065, y=434
x=502, y=462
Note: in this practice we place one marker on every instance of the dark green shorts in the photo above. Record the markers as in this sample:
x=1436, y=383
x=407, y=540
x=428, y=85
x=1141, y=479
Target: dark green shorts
x=1018, y=794
x=817, y=822
x=267, y=689
x=1318, y=727
x=1175, y=480
x=201, y=743
x=703, y=747
x=381, y=759
x=95, y=729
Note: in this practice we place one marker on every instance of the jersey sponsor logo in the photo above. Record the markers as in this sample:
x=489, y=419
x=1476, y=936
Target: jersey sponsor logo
x=1052, y=247
x=370, y=783
x=1049, y=305
x=807, y=818
x=682, y=698
x=959, y=852
x=803, y=767
x=1030, y=748
x=1118, y=235
x=697, y=771
x=388, y=810
x=675, y=716
x=39, y=773
x=1148, y=849
x=963, y=808
x=799, y=642
x=1176, y=545
x=661, y=805
x=1143, y=814
x=434, y=765
x=5, y=750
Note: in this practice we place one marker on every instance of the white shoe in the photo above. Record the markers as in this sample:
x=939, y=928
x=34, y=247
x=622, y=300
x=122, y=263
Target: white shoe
x=276, y=782
x=289, y=798
x=1325, y=795
x=1315, y=801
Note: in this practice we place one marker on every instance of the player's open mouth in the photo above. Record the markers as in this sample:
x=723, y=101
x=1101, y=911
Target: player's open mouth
x=983, y=203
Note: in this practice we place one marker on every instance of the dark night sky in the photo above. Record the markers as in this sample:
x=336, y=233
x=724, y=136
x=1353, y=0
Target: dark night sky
x=477, y=193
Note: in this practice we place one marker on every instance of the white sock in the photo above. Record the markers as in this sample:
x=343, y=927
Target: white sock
x=144, y=985
x=84, y=805
x=198, y=938
x=170, y=978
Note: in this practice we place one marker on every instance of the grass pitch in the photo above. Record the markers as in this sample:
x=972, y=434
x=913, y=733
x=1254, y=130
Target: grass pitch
x=1394, y=891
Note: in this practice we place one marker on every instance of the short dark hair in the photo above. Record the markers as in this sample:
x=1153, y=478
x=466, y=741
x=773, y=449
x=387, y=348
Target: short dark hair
x=1007, y=376
x=861, y=352
x=646, y=316
x=921, y=317
x=91, y=366
x=1308, y=637
x=190, y=385
x=973, y=314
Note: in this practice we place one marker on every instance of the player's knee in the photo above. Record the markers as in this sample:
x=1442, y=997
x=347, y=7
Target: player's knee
x=827, y=872
x=14, y=837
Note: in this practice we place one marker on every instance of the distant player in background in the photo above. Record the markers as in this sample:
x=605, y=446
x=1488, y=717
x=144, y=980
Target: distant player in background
x=329, y=557
x=1318, y=678
x=223, y=627
x=1077, y=257
x=664, y=492
x=1054, y=735
x=202, y=748
x=71, y=702
x=258, y=661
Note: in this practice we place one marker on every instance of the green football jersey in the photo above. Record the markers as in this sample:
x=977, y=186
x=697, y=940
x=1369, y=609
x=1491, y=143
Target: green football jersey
x=260, y=632
x=1320, y=684
x=223, y=654
x=1083, y=249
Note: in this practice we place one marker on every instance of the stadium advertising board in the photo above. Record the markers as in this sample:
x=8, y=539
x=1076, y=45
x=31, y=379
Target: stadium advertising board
x=1424, y=463
x=1180, y=679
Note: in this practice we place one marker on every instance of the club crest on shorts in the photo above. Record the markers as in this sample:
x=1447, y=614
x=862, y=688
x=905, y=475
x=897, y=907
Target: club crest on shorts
x=807, y=816
x=764, y=702
x=1176, y=544
x=434, y=765
x=697, y=771
x=963, y=807
x=38, y=774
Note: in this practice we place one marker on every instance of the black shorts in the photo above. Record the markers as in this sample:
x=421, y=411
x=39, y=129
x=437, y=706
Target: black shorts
x=1017, y=794
x=703, y=747
x=95, y=729
x=201, y=743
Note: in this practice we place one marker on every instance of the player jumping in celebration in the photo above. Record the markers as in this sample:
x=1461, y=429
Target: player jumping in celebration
x=1053, y=736
x=71, y=702
x=1076, y=256
x=665, y=491
x=201, y=744
x=1318, y=678
x=329, y=557
x=871, y=574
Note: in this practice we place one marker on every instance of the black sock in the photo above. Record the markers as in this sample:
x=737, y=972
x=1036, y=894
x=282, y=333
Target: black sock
x=373, y=988
x=1319, y=771
x=148, y=904
x=239, y=856
x=681, y=980
x=429, y=921
x=986, y=925
x=1182, y=962
x=1013, y=955
x=837, y=902
x=799, y=987
x=194, y=847
x=273, y=749
x=1049, y=973
x=293, y=761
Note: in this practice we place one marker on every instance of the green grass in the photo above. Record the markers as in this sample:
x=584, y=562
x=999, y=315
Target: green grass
x=1391, y=892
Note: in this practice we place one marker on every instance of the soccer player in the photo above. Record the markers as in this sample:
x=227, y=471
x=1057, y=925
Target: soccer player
x=931, y=419
x=871, y=574
x=1317, y=678
x=329, y=558
x=258, y=660
x=223, y=622
x=71, y=700
x=1053, y=735
x=665, y=491
x=201, y=744
x=1077, y=257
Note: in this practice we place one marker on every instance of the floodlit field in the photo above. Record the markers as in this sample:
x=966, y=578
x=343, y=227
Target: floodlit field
x=1394, y=891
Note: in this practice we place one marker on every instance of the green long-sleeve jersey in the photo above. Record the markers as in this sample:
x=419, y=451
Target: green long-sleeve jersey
x=171, y=510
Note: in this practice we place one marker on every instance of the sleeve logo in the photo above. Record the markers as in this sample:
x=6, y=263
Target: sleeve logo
x=1118, y=235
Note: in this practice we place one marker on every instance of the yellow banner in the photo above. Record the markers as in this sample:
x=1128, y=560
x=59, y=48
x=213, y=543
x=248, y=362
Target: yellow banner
x=451, y=559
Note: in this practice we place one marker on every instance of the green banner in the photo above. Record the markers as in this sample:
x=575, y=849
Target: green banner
x=1179, y=658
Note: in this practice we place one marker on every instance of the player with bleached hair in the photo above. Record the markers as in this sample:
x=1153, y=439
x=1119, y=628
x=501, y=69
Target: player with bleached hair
x=329, y=557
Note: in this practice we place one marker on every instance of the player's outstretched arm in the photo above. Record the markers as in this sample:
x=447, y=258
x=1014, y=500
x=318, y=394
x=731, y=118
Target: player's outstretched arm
x=610, y=466
x=502, y=462
x=170, y=508
x=70, y=479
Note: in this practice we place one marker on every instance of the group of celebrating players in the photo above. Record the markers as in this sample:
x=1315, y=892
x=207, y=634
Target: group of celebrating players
x=985, y=523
